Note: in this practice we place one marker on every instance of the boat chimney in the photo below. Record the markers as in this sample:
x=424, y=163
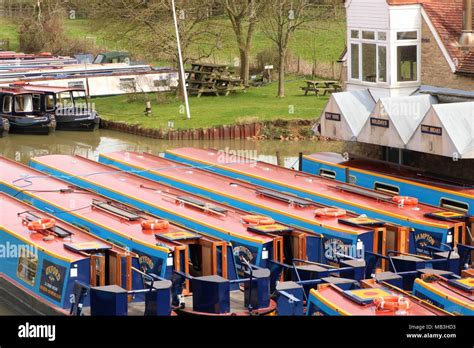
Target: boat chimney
x=467, y=37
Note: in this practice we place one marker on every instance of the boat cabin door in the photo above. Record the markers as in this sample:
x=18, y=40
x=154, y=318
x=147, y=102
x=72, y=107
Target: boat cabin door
x=111, y=268
x=390, y=238
x=201, y=256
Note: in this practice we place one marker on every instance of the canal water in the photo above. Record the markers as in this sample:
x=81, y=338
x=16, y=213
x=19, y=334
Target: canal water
x=90, y=144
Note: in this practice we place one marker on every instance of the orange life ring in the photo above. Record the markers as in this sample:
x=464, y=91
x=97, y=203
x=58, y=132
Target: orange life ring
x=332, y=212
x=391, y=303
x=405, y=200
x=41, y=224
x=155, y=225
x=258, y=220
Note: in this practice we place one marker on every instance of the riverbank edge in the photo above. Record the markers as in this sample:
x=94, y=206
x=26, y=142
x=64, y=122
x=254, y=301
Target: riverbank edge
x=299, y=129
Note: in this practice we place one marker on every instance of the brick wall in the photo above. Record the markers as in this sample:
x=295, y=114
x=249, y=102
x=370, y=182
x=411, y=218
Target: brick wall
x=435, y=70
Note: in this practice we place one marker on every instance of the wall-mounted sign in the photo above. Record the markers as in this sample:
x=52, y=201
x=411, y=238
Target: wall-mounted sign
x=332, y=116
x=379, y=122
x=431, y=130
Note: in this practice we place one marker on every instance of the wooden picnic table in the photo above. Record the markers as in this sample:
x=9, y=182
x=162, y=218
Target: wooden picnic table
x=321, y=87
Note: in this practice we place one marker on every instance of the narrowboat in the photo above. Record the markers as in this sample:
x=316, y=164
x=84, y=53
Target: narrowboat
x=56, y=268
x=453, y=295
x=379, y=300
x=70, y=105
x=389, y=177
x=348, y=231
x=96, y=79
x=258, y=242
x=160, y=245
x=4, y=127
x=434, y=228
x=196, y=264
x=23, y=111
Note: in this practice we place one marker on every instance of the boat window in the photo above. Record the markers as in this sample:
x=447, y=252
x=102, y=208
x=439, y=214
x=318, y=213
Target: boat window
x=327, y=174
x=36, y=102
x=352, y=179
x=65, y=99
x=160, y=83
x=24, y=103
x=99, y=59
x=79, y=98
x=49, y=102
x=387, y=188
x=455, y=205
x=128, y=84
x=27, y=265
x=7, y=104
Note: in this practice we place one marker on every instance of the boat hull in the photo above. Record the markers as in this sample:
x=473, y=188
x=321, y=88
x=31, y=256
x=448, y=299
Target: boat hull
x=23, y=301
x=79, y=124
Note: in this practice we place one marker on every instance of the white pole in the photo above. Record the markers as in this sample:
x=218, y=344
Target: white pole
x=181, y=65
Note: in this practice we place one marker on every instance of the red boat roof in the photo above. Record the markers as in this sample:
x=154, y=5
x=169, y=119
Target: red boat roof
x=16, y=90
x=160, y=195
x=50, y=89
x=401, y=174
x=11, y=222
x=445, y=289
x=344, y=303
x=12, y=171
x=315, y=185
x=224, y=186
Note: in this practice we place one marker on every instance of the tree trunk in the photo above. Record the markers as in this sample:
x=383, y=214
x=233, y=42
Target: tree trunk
x=281, y=74
x=245, y=66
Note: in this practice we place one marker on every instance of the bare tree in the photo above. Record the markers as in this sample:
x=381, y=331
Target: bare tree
x=244, y=15
x=147, y=27
x=281, y=20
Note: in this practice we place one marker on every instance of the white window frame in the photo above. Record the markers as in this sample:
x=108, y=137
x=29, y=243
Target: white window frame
x=401, y=43
x=377, y=43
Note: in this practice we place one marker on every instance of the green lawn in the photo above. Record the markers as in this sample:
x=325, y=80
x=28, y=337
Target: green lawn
x=9, y=30
x=257, y=104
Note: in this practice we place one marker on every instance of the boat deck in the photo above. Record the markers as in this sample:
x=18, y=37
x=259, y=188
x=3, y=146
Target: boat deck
x=460, y=291
x=80, y=203
x=165, y=197
x=348, y=194
x=237, y=189
x=453, y=184
x=13, y=223
x=359, y=302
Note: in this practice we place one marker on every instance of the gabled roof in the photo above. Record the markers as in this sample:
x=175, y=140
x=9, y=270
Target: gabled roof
x=406, y=113
x=356, y=107
x=447, y=17
x=458, y=120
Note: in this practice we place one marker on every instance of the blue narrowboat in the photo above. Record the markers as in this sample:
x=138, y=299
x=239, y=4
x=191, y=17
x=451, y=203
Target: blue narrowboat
x=51, y=267
x=23, y=111
x=444, y=192
x=433, y=227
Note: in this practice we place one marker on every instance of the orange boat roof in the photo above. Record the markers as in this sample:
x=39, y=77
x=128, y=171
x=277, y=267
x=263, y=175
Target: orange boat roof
x=160, y=195
x=341, y=302
x=81, y=202
x=224, y=186
x=11, y=222
x=395, y=172
x=314, y=185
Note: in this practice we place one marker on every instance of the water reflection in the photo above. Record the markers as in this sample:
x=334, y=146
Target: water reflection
x=23, y=147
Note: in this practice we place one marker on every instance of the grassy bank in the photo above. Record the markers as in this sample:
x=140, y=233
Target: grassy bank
x=257, y=104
